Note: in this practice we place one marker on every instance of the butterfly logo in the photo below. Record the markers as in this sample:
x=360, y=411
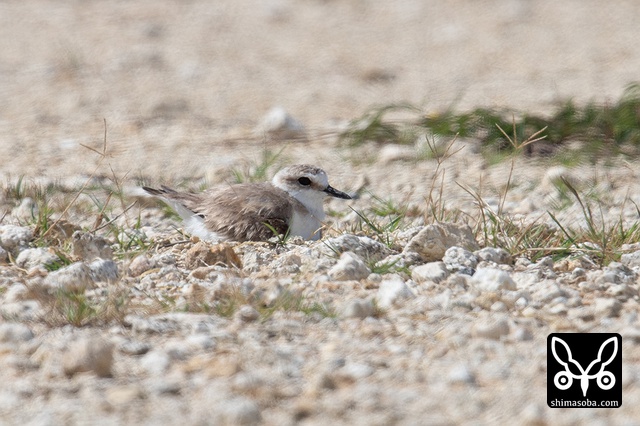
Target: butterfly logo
x=564, y=379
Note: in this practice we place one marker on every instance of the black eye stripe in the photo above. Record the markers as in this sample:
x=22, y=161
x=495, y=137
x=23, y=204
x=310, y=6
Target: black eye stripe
x=304, y=181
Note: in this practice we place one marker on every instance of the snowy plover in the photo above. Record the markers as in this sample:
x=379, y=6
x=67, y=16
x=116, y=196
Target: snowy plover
x=291, y=202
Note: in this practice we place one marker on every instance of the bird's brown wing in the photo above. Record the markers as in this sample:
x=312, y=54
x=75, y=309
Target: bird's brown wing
x=241, y=212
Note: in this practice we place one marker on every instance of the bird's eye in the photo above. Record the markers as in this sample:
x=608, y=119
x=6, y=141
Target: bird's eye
x=304, y=181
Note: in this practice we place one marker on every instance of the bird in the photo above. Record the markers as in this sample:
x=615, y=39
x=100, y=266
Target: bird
x=291, y=204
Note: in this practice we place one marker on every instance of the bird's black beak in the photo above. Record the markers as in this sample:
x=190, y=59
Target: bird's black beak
x=335, y=193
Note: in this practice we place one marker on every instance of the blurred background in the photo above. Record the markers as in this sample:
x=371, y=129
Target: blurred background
x=183, y=84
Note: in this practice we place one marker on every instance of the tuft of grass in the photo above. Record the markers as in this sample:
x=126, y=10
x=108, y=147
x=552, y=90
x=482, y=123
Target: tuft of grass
x=601, y=239
x=63, y=260
x=130, y=242
x=294, y=302
x=232, y=298
x=280, y=239
x=388, y=267
x=436, y=206
x=257, y=172
x=77, y=308
x=373, y=127
x=381, y=226
x=74, y=308
x=228, y=300
x=496, y=229
x=604, y=130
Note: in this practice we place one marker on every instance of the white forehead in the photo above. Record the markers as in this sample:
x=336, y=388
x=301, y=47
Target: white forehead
x=293, y=173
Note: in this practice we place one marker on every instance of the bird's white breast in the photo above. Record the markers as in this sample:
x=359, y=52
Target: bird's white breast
x=305, y=225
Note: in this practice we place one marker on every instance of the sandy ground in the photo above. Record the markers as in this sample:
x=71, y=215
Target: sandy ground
x=182, y=86
x=174, y=80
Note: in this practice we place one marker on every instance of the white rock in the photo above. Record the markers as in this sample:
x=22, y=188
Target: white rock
x=399, y=261
x=89, y=354
x=178, y=350
x=544, y=263
x=241, y=412
x=546, y=291
x=356, y=370
x=27, y=210
x=15, y=332
x=631, y=260
x=278, y=124
x=433, y=240
x=490, y=328
x=134, y=347
x=491, y=279
x=155, y=362
x=495, y=255
x=499, y=306
x=10, y=401
x=123, y=394
x=620, y=291
x=607, y=307
x=522, y=334
x=629, y=375
x=74, y=277
x=392, y=291
x=533, y=415
x=358, y=308
x=36, y=257
x=200, y=341
x=461, y=374
x=247, y=313
x=432, y=271
x=527, y=279
x=395, y=152
x=25, y=310
x=364, y=247
x=139, y=265
x=15, y=238
x=459, y=259
x=16, y=293
x=349, y=267
x=104, y=270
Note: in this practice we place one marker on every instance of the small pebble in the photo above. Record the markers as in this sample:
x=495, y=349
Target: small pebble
x=460, y=374
x=432, y=271
x=392, y=291
x=89, y=354
x=247, y=313
x=121, y=395
x=155, y=362
x=36, y=257
x=134, y=347
x=607, y=307
x=75, y=277
x=495, y=255
x=139, y=265
x=350, y=266
x=491, y=279
x=241, y=412
x=15, y=332
x=358, y=308
x=490, y=328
